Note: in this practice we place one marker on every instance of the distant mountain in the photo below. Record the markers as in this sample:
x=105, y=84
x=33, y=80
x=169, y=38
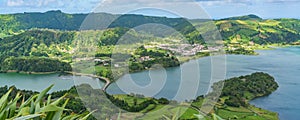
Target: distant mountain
x=51, y=20
x=15, y=23
x=36, y=36
x=242, y=29
x=38, y=43
x=62, y=21
x=259, y=31
x=246, y=17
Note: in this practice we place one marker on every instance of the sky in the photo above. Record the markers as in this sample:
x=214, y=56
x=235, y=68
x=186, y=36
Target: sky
x=216, y=9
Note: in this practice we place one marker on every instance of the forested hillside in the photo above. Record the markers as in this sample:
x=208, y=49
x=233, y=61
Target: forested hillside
x=236, y=29
x=259, y=31
x=242, y=89
x=15, y=23
x=36, y=51
x=34, y=43
x=34, y=65
x=51, y=34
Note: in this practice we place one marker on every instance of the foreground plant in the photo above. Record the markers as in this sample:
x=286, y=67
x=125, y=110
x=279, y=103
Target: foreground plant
x=36, y=108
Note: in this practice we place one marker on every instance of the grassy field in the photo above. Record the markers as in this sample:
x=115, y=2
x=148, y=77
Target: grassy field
x=185, y=112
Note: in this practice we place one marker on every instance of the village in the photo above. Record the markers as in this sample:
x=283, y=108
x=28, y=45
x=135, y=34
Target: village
x=188, y=49
x=179, y=49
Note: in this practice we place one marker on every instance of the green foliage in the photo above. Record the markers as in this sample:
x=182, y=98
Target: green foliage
x=62, y=21
x=140, y=104
x=35, y=43
x=50, y=19
x=29, y=51
x=163, y=101
x=293, y=25
x=233, y=101
x=34, y=65
x=142, y=51
x=34, y=108
x=253, y=27
x=238, y=88
x=161, y=57
x=246, y=17
x=237, y=92
x=9, y=25
x=112, y=36
x=260, y=31
x=37, y=50
x=175, y=116
x=241, y=51
x=131, y=108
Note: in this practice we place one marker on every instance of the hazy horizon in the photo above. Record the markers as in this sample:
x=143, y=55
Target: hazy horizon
x=136, y=14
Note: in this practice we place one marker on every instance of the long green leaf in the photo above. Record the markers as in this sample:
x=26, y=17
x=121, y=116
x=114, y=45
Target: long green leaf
x=13, y=105
x=28, y=101
x=49, y=100
x=119, y=116
x=24, y=111
x=42, y=94
x=71, y=117
x=58, y=114
x=6, y=107
x=166, y=117
x=56, y=102
x=36, y=108
x=88, y=115
x=51, y=108
x=28, y=117
x=3, y=100
x=32, y=107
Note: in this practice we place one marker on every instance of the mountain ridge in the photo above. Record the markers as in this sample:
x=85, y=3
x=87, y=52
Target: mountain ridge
x=56, y=19
x=244, y=17
x=236, y=31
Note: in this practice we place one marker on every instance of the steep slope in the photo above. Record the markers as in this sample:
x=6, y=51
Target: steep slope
x=16, y=23
x=241, y=34
x=240, y=30
x=35, y=43
x=36, y=51
x=246, y=17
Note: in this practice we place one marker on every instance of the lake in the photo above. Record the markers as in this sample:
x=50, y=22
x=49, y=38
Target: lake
x=282, y=63
x=38, y=82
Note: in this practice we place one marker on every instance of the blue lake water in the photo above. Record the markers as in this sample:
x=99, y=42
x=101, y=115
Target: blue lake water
x=282, y=63
x=40, y=82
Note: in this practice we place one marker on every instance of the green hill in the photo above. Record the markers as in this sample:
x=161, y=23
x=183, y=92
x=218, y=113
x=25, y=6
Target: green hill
x=246, y=17
x=35, y=49
x=260, y=31
x=51, y=34
x=237, y=29
x=16, y=23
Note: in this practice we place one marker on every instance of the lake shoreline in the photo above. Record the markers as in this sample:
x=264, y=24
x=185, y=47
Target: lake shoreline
x=29, y=73
x=106, y=80
x=183, y=60
x=249, y=101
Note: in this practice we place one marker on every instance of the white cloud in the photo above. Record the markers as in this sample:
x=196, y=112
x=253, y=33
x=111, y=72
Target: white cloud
x=243, y=2
x=282, y=1
x=143, y=2
x=13, y=3
x=33, y=3
x=202, y=2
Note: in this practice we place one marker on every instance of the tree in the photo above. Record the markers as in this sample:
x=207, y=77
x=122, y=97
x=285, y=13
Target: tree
x=163, y=101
